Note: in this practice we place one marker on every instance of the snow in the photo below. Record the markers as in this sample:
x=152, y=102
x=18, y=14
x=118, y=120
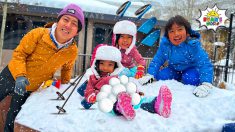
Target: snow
x=95, y=6
x=123, y=79
x=114, y=81
x=189, y=113
x=106, y=88
x=219, y=44
x=105, y=105
x=223, y=62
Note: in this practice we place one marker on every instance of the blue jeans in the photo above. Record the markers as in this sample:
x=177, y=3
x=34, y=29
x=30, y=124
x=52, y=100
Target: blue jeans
x=189, y=76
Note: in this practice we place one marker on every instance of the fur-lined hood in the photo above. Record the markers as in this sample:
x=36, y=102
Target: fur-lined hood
x=125, y=27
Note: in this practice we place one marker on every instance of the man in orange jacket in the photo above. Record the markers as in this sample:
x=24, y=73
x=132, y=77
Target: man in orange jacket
x=40, y=53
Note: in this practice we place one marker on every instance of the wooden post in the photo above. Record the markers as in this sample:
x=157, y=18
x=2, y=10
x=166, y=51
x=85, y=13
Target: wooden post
x=3, y=29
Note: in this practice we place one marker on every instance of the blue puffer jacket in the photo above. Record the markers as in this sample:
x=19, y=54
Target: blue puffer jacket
x=188, y=54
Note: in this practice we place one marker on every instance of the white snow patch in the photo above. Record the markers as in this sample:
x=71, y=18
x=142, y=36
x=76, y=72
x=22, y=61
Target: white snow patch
x=189, y=113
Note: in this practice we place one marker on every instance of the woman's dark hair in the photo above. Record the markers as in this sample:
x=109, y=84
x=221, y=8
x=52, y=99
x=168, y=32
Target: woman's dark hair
x=179, y=20
x=97, y=66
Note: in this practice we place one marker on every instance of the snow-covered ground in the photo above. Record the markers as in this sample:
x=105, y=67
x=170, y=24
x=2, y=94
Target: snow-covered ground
x=189, y=113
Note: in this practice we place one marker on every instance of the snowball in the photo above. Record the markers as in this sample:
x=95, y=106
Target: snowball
x=118, y=88
x=124, y=79
x=112, y=97
x=131, y=87
x=101, y=95
x=135, y=98
x=106, y=88
x=114, y=81
x=105, y=105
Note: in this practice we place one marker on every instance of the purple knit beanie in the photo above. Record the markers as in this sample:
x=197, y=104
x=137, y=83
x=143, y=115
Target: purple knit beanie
x=75, y=11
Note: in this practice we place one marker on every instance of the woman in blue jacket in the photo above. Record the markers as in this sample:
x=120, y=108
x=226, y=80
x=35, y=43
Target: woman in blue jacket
x=187, y=61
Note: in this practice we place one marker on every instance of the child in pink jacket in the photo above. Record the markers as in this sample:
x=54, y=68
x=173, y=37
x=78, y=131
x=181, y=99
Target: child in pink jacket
x=106, y=64
x=124, y=38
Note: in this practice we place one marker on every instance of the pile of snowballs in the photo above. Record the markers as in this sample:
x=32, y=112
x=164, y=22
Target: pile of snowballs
x=108, y=93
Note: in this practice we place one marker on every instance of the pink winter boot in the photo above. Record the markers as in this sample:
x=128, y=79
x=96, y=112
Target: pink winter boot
x=124, y=105
x=162, y=104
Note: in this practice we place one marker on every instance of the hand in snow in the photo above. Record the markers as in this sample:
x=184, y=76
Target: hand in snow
x=203, y=90
x=146, y=79
x=20, y=85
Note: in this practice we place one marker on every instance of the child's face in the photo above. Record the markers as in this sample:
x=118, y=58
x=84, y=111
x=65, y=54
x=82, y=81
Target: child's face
x=125, y=41
x=177, y=34
x=106, y=66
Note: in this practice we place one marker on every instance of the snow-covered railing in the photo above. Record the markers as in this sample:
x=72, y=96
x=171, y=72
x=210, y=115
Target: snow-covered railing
x=83, y=62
